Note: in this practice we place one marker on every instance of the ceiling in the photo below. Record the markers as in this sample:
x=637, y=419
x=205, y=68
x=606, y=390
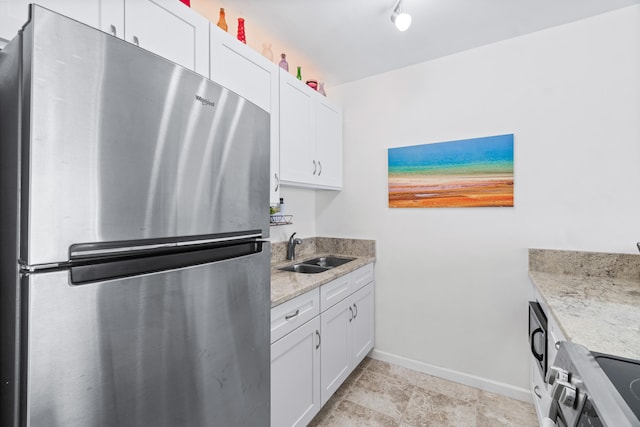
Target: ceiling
x=353, y=39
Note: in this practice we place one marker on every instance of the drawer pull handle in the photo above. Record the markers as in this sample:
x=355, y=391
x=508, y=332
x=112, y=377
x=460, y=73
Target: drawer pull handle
x=557, y=345
x=113, y=30
x=318, y=334
x=136, y=41
x=277, y=182
x=291, y=316
x=536, y=390
x=351, y=310
x=356, y=309
x=315, y=167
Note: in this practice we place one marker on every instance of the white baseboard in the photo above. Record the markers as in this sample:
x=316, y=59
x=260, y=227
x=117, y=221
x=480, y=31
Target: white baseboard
x=455, y=376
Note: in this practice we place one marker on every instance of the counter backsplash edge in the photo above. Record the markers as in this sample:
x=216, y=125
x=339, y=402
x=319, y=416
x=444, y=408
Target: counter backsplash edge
x=325, y=245
x=589, y=264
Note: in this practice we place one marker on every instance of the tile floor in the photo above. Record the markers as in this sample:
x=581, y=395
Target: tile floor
x=381, y=394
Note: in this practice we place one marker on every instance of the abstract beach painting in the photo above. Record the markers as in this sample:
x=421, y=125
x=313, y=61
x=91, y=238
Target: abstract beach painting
x=474, y=172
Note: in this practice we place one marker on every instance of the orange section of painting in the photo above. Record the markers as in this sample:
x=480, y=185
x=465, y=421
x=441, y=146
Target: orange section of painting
x=451, y=191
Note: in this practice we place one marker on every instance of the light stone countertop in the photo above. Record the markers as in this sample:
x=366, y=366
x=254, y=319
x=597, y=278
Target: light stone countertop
x=286, y=285
x=594, y=297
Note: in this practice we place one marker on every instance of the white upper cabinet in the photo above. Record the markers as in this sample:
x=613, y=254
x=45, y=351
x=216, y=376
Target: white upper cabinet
x=310, y=136
x=252, y=76
x=106, y=15
x=165, y=27
x=170, y=29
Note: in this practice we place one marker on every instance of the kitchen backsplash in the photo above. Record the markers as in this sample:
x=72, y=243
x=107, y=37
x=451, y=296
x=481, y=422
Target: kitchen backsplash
x=589, y=264
x=324, y=245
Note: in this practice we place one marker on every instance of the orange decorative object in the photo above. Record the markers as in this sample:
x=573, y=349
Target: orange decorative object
x=222, y=23
x=241, y=35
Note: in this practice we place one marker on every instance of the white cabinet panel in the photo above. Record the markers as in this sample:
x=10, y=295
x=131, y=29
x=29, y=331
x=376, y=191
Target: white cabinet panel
x=13, y=15
x=362, y=324
x=310, y=136
x=170, y=29
x=335, y=291
x=295, y=376
x=244, y=71
x=297, y=119
x=335, y=348
x=288, y=316
x=329, y=143
x=106, y=15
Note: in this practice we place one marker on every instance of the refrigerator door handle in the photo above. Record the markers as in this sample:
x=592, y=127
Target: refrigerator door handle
x=91, y=270
x=126, y=248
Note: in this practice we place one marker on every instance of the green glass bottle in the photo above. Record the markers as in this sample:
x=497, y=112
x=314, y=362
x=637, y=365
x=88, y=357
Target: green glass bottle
x=299, y=76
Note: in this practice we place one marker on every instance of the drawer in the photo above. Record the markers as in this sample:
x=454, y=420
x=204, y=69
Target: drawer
x=335, y=291
x=361, y=277
x=294, y=313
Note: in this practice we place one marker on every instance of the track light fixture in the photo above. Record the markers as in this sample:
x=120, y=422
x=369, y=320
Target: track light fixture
x=401, y=19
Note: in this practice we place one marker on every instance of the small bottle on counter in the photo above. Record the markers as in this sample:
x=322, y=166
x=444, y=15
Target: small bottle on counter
x=281, y=206
x=299, y=75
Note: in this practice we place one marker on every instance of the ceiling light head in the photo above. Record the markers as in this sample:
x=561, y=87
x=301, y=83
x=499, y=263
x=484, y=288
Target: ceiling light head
x=401, y=19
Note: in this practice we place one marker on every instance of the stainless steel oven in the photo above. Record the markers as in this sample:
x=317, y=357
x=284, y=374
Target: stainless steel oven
x=538, y=336
x=593, y=389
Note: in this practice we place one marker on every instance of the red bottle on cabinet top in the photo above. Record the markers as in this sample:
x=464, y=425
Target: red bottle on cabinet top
x=241, y=35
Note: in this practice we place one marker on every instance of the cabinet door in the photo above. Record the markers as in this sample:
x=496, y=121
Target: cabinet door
x=295, y=376
x=254, y=77
x=169, y=29
x=105, y=15
x=336, y=347
x=297, y=131
x=329, y=143
x=13, y=15
x=362, y=325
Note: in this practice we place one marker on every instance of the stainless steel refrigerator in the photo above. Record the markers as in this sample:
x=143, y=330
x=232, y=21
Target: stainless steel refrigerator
x=134, y=278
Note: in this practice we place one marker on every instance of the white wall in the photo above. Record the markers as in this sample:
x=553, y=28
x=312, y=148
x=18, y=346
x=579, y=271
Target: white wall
x=300, y=203
x=452, y=284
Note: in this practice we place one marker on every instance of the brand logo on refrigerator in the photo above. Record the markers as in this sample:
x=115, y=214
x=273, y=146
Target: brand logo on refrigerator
x=205, y=101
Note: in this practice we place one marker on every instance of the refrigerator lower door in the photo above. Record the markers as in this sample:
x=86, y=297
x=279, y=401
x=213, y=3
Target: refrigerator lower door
x=187, y=347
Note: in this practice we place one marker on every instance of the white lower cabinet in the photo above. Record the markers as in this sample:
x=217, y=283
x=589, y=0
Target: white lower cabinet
x=347, y=337
x=310, y=360
x=295, y=376
x=335, y=350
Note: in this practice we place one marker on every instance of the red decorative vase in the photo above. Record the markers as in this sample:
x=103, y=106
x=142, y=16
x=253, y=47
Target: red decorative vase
x=241, y=35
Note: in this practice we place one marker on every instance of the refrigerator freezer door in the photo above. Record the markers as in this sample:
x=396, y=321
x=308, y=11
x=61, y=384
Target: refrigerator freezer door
x=186, y=348
x=125, y=145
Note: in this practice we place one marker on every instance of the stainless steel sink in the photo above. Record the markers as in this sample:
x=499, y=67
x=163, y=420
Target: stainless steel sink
x=317, y=265
x=305, y=268
x=328, y=261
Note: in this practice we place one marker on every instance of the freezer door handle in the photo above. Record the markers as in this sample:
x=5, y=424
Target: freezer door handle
x=92, y=270
x=112, y=249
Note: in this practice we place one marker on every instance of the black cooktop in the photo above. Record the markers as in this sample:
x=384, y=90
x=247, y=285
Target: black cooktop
x=625, y=376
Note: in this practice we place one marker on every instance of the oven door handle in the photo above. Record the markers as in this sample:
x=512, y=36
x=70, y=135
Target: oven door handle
x=537, y=355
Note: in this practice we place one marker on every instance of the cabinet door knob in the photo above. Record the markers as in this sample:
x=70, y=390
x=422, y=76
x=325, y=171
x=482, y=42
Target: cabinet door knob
x=315, y=167
x=318, y=334
x=113, y=30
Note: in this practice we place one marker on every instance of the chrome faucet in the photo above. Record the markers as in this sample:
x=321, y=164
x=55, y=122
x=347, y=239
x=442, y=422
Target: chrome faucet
x=291, y=247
